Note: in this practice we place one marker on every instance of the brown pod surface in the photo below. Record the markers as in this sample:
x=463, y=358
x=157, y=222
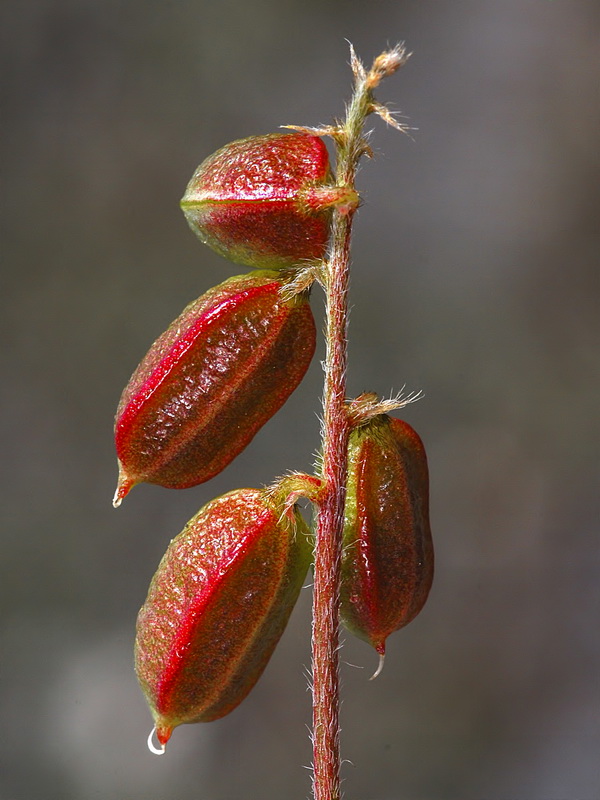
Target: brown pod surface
x=211, y=381
x=387, y=565
x=217, y=606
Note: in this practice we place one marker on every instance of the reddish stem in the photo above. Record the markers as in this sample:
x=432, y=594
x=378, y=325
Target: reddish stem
x=350, y=146
x=326, y=751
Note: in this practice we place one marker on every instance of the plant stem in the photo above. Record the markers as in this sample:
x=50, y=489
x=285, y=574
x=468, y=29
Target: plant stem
x=326, y=593
x=329, y=526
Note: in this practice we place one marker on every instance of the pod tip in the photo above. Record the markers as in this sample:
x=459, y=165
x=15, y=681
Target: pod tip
x=124, y=486
x=379, y=669
x=163, y=734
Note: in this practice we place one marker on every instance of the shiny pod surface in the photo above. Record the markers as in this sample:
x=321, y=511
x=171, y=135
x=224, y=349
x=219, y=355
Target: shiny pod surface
x=217, y=606
x=387, y=566
x=252, y=202
x=210, y=382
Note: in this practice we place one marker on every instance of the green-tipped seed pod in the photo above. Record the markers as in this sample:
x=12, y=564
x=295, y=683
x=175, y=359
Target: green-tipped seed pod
x=217, y=606
x=387, y=566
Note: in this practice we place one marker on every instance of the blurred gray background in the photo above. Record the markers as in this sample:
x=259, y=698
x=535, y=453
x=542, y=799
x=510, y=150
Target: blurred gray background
x=475, y=279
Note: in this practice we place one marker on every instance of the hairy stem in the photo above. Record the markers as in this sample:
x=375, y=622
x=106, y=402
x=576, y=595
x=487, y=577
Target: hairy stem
x=329, y=525
x=350, y=146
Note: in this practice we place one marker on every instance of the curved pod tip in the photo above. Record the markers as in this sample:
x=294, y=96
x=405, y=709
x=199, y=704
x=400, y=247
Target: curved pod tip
x=124, y=485
x=379, y=669
x=162, y=734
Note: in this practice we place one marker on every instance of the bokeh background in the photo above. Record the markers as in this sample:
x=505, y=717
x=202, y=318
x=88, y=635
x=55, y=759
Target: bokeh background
x=475, y=279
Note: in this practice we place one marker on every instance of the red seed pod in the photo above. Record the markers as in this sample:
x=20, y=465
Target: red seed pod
x=387, y=566
x=264, y=201
x=217, y=606
x=211, y=381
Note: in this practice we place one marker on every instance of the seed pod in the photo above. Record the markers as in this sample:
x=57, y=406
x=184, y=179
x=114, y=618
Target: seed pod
x=264, y=201
x=217, y=606
x=387, y=566
x=210, y=382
